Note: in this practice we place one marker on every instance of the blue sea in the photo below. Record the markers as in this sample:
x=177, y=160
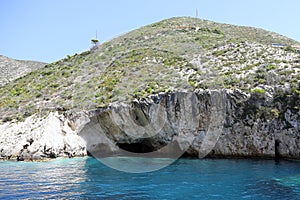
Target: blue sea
x=87, y=178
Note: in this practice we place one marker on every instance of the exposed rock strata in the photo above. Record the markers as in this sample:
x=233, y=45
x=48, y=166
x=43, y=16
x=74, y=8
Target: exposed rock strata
x=217, y=124
x=223, y=123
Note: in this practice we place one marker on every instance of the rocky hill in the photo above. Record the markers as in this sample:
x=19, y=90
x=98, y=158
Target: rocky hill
x=11, y=69
x=244, y=79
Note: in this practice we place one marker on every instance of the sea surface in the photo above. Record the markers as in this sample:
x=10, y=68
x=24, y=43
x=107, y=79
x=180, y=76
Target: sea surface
x=87, y=178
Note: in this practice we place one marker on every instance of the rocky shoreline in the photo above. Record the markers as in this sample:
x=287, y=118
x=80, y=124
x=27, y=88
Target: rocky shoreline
x=223, y=123
x=39, y=138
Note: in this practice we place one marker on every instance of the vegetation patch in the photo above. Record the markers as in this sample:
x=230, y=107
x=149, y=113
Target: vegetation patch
x=174, y=54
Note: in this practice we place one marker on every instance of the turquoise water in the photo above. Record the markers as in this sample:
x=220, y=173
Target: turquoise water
x=87, y=178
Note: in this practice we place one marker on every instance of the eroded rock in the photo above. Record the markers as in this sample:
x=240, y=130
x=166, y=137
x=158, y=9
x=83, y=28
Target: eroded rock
x=212, y=123
x=221, y=123
x=39, y=138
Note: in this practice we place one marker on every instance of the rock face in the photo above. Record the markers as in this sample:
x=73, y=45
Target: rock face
x=163, y=125
x=40, y=138
x=215, y=124
x=219, y=123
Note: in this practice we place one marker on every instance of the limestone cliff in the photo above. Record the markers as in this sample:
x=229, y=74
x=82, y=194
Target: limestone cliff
x=217, y=123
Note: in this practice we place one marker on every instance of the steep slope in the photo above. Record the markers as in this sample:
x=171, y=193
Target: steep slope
x=11, y=69
x=229, y=90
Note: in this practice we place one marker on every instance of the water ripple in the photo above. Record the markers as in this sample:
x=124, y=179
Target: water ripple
x=87, y=178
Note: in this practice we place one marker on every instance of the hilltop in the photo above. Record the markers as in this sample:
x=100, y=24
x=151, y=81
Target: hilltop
x=173, y=54
x=11, y=69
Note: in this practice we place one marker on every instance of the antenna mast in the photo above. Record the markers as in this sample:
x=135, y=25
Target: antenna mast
x=95, y=41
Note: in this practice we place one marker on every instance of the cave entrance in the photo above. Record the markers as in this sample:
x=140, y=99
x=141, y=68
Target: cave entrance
x=141, y=146
x=277, y=153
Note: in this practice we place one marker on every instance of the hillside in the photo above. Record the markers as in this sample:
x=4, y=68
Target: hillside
x=176, y=54
x=11, y=69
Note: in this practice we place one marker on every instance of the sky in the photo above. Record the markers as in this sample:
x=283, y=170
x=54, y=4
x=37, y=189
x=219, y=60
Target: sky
x=49, y=30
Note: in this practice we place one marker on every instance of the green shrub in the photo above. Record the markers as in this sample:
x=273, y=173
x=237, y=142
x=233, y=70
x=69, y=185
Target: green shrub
x=219, y=53
x=192, y=83
x=297, y=91
x=216, y=31
x=258, y=90
x=270, y=67
x=262, y=81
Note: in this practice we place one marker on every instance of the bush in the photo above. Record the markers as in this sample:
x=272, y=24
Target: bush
x=258, y=90
x=219, y=53
x=192, y=83
x=270, y=67
x=216, y=31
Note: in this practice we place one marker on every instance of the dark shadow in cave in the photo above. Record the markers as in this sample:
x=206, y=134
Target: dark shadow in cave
x=145, y=145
